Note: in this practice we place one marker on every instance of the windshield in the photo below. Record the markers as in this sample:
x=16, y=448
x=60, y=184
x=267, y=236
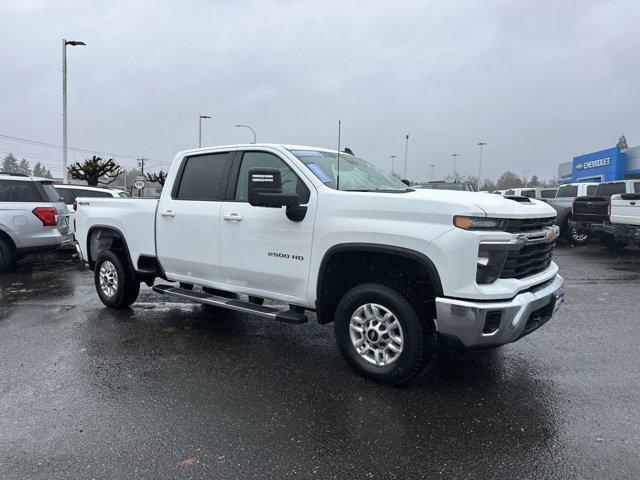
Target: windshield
x=356, y=174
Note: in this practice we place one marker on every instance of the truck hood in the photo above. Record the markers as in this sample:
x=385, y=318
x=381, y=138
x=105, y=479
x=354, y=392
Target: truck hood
x=491, y=204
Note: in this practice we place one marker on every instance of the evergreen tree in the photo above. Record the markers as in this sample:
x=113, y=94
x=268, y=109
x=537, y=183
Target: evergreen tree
x=622, y=142
x=38, y=171
x=509, y=180
x=10, y=164
x=47, y=174
x=534, y=182
x=24, y=167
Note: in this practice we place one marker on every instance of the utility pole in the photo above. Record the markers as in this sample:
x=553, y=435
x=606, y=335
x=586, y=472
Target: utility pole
x=200, y=129
x=455, y=174
x=73, y=43
x=480, y=144
x=392, y=167
x=406, y=154
x=432, y=165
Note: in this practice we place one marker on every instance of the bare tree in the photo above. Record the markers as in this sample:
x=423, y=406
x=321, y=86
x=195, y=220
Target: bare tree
x=159, y=177
x=95, y=171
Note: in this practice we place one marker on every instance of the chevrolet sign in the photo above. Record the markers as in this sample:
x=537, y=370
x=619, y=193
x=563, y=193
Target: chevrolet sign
x=603, y=162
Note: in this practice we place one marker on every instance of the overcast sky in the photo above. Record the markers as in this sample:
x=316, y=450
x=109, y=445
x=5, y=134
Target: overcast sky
x=539, y=82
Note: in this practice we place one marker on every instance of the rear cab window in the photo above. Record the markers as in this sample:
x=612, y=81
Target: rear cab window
x=19, y=191
x=90, y=194
x=67, y=195
x=591, y=190
x=203, y=177
x=567, y=191
x=529, y=193
x=636, y=187
x=510, y=192
x=608, y=189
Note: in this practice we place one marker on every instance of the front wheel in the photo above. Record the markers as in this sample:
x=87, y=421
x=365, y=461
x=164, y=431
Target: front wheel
x=383, y=333
x=572, y=236
x=116, y=284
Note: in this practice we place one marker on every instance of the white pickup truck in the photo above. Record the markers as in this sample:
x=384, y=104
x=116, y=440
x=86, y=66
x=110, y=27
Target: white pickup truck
x=400, y=272
x=624, y=218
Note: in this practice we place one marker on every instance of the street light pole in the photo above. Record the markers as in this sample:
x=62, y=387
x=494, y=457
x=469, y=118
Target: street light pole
x=432, y=165
x=73, y=43
x=480, y=144
x=200, y=129
x=252, y=131
x=392, y=167
x=455, y=175
x=406, y=154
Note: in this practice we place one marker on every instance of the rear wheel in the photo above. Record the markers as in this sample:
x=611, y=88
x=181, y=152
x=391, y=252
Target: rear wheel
x=383, y=333
x=572, y=236
x=115, y=282
x=6, y=256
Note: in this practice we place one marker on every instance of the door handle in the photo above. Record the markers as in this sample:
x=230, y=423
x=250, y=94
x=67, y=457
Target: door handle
x=168, y=213
x=233, y=217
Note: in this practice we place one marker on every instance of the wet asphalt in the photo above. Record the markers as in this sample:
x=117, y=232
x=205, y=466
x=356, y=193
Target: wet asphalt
x=171, y=390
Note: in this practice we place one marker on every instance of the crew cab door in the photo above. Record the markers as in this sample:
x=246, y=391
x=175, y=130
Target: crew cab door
x=188, y=218
x=261, y=249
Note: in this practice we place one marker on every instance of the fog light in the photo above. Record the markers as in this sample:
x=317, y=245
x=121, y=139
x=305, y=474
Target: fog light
x=491, y=322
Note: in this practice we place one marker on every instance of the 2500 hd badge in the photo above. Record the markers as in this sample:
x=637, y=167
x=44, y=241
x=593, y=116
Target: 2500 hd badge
x=285, y=255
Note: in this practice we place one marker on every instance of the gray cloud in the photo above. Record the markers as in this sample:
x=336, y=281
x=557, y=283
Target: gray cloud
x=539, y=81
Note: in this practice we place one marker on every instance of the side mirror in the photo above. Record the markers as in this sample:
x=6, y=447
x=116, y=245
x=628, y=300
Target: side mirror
x=265, y=189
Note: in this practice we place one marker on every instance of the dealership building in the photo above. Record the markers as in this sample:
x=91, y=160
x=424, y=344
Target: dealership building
x=602, y=166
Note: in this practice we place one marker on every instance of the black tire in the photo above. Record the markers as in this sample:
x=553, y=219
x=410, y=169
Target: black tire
x=418, y=333
x=6, y=256
x=573, y=237
x=125, y=288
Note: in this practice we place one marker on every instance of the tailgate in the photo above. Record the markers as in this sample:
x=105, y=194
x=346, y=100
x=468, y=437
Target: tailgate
x=590, y=209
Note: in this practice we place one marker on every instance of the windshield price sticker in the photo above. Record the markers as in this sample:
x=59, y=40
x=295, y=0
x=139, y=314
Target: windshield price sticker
x=324, y=178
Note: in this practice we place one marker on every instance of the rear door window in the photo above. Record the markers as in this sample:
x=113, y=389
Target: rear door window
x=567, y=191
x=18, y=191
x=204, y=177
x=608, y=189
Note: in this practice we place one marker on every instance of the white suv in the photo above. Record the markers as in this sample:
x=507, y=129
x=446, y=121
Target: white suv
x=33, y=218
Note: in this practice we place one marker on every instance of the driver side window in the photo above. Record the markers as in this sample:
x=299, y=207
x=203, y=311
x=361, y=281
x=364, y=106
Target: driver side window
x=291, y=184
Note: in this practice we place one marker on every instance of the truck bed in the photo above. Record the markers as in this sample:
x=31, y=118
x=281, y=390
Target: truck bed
x=134, y=218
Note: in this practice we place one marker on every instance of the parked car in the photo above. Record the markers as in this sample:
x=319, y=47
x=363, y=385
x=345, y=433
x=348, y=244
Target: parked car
x=438, y=185
x=400, y=272
x=589, y=214
x=33, y=218
x=563, y=204
x=69, y=193
x=624, y=218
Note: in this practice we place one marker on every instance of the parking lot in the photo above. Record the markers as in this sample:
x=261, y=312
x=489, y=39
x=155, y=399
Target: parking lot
x=171, y=390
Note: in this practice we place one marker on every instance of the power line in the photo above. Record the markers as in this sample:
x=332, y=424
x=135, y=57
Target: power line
x=52, y=145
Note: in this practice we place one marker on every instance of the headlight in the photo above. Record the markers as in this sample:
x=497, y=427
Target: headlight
x=480, y=223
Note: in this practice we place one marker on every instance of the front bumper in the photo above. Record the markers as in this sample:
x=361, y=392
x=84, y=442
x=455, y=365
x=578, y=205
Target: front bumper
x=625, y=233
x=486, y=324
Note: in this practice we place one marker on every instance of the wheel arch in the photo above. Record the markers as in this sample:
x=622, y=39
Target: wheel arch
x=102, y=237
x=326, y=300
x=9, y=240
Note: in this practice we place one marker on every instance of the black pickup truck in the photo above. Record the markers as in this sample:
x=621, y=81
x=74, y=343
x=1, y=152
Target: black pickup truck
x=590, y=214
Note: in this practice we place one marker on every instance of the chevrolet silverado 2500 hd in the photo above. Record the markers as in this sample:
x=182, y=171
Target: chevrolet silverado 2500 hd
x=400, y=272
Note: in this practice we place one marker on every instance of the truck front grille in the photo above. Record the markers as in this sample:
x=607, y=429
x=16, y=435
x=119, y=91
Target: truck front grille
x=522, y=225
x=527, y=261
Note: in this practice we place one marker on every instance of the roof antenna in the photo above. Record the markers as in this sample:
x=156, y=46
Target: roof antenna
x=338, y=173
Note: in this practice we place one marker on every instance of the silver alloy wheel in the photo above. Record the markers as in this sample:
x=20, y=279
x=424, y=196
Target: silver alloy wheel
x=108, y=278
x=376, y=334
x=579, y=237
